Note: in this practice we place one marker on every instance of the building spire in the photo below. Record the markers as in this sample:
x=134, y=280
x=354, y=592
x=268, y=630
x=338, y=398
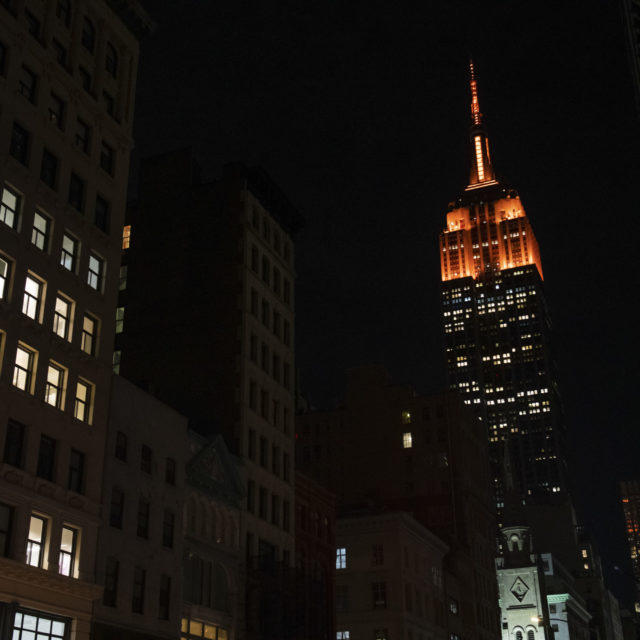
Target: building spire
x=481, y=172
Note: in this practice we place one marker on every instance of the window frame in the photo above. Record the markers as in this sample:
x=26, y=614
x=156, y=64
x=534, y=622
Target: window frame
x=40, y=237
x=82, y=406
x=68, y=555
x=54, y=390
x=20, y=143
x=63, y=322
x=87, y=336
x=95, y=276
x=49, y=169
x=32, y=300
x=29, y=371
x=75, y=480
x=68, y=260
x=35, y=543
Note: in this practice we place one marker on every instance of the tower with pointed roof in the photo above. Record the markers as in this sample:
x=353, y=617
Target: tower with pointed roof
x=496, y=326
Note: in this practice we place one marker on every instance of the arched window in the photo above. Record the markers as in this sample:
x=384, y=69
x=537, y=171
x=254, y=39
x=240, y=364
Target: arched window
x=111, y=60
x=518, y=635
x=88, y=38
x=531, y=634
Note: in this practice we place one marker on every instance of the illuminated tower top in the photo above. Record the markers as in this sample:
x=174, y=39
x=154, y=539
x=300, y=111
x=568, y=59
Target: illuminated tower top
x=487, y=228
x=481, y=173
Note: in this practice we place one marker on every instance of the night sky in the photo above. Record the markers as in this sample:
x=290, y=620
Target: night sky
x=359, y=111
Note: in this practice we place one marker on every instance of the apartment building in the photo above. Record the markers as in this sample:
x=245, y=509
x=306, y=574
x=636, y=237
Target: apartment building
x=67, y=82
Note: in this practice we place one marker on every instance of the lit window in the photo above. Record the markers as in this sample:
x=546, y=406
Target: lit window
x=342, y=635
x=32, y=298
x=36, y=540
x=82, y=407
x=4, y=277
x=69, y=252
x=25, y=623
x=584, y=553
x=96, y=272
x=126, y=236
x=62, y=318
x=88, y=340
x=54, y=389
x=119, y=319
x=407, y=440
x=341, y=558
x=9, y=207
x=123, y=277
x=406, y=417
x=67, y=557
x=24, y=368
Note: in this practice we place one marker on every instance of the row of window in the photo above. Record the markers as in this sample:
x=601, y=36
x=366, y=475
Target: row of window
x=116, y=517
x=56, y=383
x=271, y=363
x=280, y=327
x=261, y=452
x=146, y=458
x=38, y=541
x=270, y=408
x=279, y=513
x=271, y=276
x=20, y=149
x=14, y=451
x=139, y=591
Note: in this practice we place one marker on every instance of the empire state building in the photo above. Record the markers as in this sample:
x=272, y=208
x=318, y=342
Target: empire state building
x=497, y=328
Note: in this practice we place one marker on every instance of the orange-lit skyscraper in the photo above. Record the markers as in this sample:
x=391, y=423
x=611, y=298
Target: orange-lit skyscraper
x=631, y=506
x=497, y=328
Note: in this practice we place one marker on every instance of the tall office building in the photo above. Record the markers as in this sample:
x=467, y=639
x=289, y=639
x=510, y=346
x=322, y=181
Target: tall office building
x=67, y=82
x=497, y=328
x=206, y=323
x=630, y=491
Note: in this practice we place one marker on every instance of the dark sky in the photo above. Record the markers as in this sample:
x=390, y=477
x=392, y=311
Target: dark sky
x=360, y=112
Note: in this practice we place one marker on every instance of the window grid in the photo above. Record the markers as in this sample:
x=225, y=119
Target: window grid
x=31, y=298
x=67, y=557
x=54, y=389
x=36, y=540
x=23, y=368
x=61, y=318
x=9, y=207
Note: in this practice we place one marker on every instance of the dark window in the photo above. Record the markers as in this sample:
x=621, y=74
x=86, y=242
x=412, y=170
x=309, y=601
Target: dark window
x=27, y=84
x=33, y=24
x=145, y=459
x=76, y=471
x=262, y=505
x=121, y=446
x=111, y=582
x=106, y=158
x=251, y=496
x=251, y=445
x=285, y=515
x=168, y=523
x=83, y=135
x=49, y=169
x=85, y=79
x=6, y=518
x=137, y=599
x=60, y=52
x=13, y=443
x=3, y=58
x=266, y=270
x=63, y=11
x=285, y=466
x=170, y=471
x=265, y=313
x=102, y=214
x=57, y=110
x=143, y=518
x=263, y=451
x=287, y=291
x=76, y=192
x=19, y=146
x=88, y=37
x=111, y=60
x=46, y=457
x=109, y=103
x=379, y=592
x=164, y=598
x=117, y=508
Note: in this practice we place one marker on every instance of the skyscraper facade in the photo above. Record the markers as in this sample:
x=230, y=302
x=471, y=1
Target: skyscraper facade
x=497, y=328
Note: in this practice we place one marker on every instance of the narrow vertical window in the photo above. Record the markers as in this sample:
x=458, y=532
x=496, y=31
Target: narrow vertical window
x=36, y=541
x=111, y=572
x=46, y=458
x=143, y=518
x=69, y=252
x=341, y=558
x=32, y=298
x=102, y=214
x=9, y=208
x=407, y=440
x=111, y=60
x=96, y=272
x=170, y=471
x=121, y=446
x=126, y=236
x=62, y=318
x=168, y=525
x=164, y=598
x=54, y=389
x=13, y=443
x=88, y=341
x=24, y=368
x=137, y=599
x=82, y=406
x=6, y=520
x=119, y=320
x=117, y=508
x=40, y=231
x=49, y=170
x=67, y=557
x=4, y=277
x=76, y=192
x=88, y=36
x=146, y=456
x=19, y=144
